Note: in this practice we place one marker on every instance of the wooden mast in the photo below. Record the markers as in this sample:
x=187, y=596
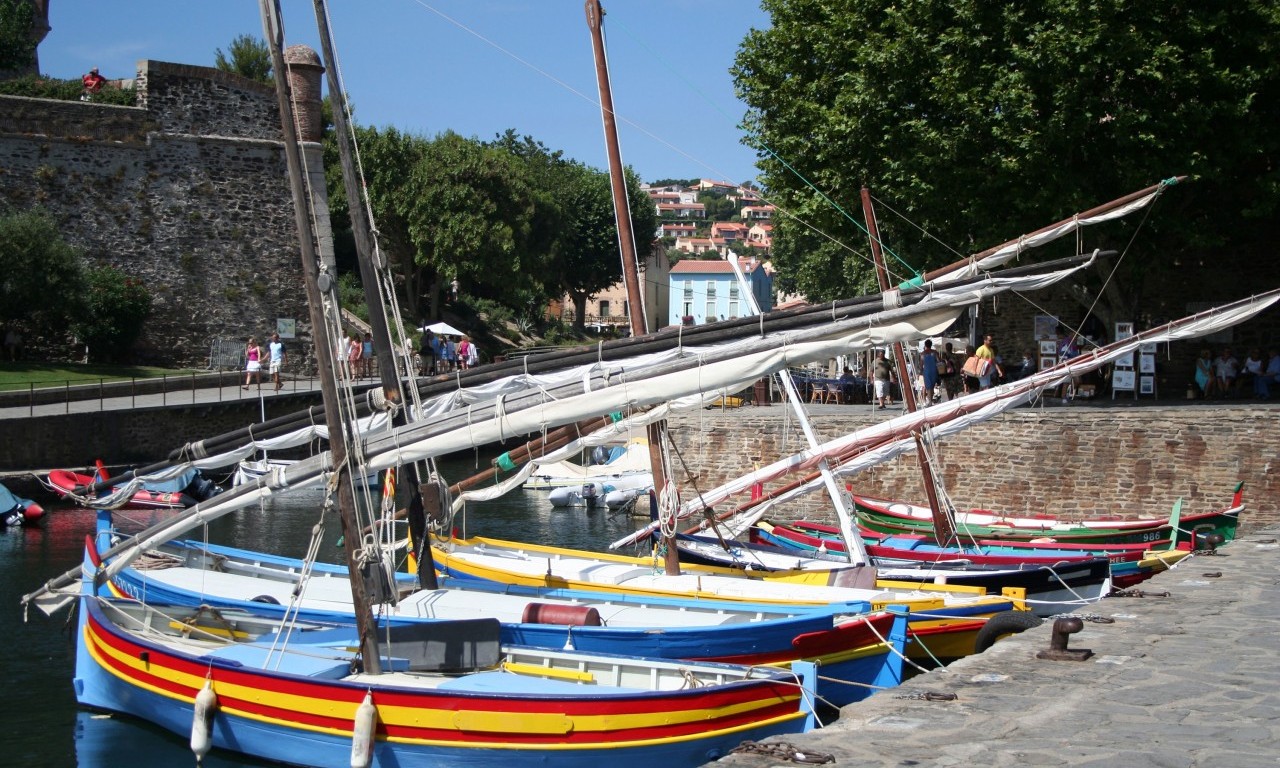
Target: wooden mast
x=315, y=285
x=622, y=214
x=943, y=530
x=383, y=346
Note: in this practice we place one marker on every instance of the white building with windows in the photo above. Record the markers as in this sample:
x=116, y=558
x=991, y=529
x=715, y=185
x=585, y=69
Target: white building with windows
x=705, y=291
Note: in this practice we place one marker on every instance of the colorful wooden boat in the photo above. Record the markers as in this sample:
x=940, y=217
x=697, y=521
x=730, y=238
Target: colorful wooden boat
x=1049, y=588
x=858, y=652
x=943, y=622
x=1130, y=563
x=1193, y=529
x=452, y=696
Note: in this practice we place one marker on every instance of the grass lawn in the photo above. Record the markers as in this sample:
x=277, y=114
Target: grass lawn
x=23, y=374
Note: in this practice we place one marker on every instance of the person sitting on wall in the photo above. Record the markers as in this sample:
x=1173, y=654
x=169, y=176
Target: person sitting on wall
x=93, y=83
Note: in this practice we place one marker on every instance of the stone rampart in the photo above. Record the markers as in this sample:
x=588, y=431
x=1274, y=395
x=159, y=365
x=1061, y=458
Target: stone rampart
x=187, y=192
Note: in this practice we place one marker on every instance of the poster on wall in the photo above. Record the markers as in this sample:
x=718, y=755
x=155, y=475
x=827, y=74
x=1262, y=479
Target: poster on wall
x=1048, y=348
x=1046, y=327
x=1147, y=385
x=1124, y=331
x=1122, y=380
x=1146, y=363
x=287, y=327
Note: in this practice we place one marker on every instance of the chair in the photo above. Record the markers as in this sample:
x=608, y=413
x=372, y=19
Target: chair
x=833, y=394
x=816, y=392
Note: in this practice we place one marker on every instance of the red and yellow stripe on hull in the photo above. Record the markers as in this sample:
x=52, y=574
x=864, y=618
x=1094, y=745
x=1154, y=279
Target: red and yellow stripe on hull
x=445, y=718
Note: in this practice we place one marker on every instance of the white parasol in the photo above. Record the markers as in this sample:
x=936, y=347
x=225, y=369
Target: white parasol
x=441, y=329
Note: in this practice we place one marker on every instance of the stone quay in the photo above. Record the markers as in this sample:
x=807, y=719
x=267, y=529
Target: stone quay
x=1187, y=675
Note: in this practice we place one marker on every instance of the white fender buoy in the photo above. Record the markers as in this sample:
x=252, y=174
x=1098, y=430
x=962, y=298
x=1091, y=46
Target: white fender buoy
x=362, y=733
x=202, y=721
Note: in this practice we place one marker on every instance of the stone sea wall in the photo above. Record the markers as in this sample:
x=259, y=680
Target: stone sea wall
x=1066, y=461
x=187, y=192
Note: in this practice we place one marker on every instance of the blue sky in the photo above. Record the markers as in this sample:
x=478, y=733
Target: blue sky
x=406, y=65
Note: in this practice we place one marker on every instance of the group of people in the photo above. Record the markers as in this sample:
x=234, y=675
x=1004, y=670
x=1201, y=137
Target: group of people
x=1225, y=376
x=358, y=355
x=254, y=356
x=945, y=374
x=939, y=378
x=441, y=354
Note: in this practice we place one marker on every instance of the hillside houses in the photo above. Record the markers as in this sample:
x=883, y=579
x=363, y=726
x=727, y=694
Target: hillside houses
x=700, y=223
x=709, y=217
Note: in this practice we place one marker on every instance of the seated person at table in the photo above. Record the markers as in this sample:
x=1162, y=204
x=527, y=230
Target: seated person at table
x=1025, y=369
x=847, y=384
x=1263, y=383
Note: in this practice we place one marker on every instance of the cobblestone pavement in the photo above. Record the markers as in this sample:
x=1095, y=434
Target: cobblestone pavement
x=1188, y=675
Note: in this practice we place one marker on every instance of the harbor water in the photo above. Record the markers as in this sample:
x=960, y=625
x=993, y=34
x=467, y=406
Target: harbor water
x=43, y=725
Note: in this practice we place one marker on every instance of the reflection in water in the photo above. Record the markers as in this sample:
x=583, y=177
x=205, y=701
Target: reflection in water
x=45, y=728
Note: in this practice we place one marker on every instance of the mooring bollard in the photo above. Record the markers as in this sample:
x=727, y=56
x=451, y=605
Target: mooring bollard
x=1063, y=628
x=1209, y=543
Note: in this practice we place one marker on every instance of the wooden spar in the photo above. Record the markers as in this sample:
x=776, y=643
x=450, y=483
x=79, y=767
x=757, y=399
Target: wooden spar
x=943, y=529
x=626, y=243
x=616, y=349
x=553, y=441
x=842, y=504
x=273, y=30
x=1095, y=211
x=383, y=346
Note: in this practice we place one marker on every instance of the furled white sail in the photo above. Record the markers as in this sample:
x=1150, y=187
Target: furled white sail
x=856, y=451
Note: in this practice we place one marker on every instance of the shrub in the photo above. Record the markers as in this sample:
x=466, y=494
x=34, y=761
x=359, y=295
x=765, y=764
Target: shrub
x=41, y=87
x=114, y=309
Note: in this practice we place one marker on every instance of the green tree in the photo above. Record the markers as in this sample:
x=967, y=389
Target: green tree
x=982, y=121
x=249, y=57
x=41, y=276
x=469, y=213
x=447, y=208
x=111, y=317
x=17, y=46
x=574, y=227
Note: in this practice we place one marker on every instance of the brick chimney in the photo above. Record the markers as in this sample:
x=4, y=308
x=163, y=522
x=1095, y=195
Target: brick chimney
x=305, y=75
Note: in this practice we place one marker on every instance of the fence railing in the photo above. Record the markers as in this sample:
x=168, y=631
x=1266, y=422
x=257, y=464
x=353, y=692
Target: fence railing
x=80, y=396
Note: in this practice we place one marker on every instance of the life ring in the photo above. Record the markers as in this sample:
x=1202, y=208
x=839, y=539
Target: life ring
x=1003, y=625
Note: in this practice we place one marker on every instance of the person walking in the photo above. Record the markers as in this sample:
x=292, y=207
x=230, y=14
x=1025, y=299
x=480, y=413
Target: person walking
x=991, y=368
x=355, y=352
x=929, y=372
x=252, y=363
x=881, y=373
x=428, y=350
x=275, y=357
x=366, y=355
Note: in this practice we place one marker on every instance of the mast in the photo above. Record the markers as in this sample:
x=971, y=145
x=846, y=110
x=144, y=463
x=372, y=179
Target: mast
x=622, y=214
x=315, y=284
x=384, y=349
x=855, y=548
x=943, y=530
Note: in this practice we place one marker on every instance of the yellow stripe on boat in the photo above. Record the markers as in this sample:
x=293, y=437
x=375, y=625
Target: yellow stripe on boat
x=571, y=675
x=405, y=717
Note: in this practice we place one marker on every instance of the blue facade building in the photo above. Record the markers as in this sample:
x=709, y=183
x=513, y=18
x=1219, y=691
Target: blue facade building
x=705, y=291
